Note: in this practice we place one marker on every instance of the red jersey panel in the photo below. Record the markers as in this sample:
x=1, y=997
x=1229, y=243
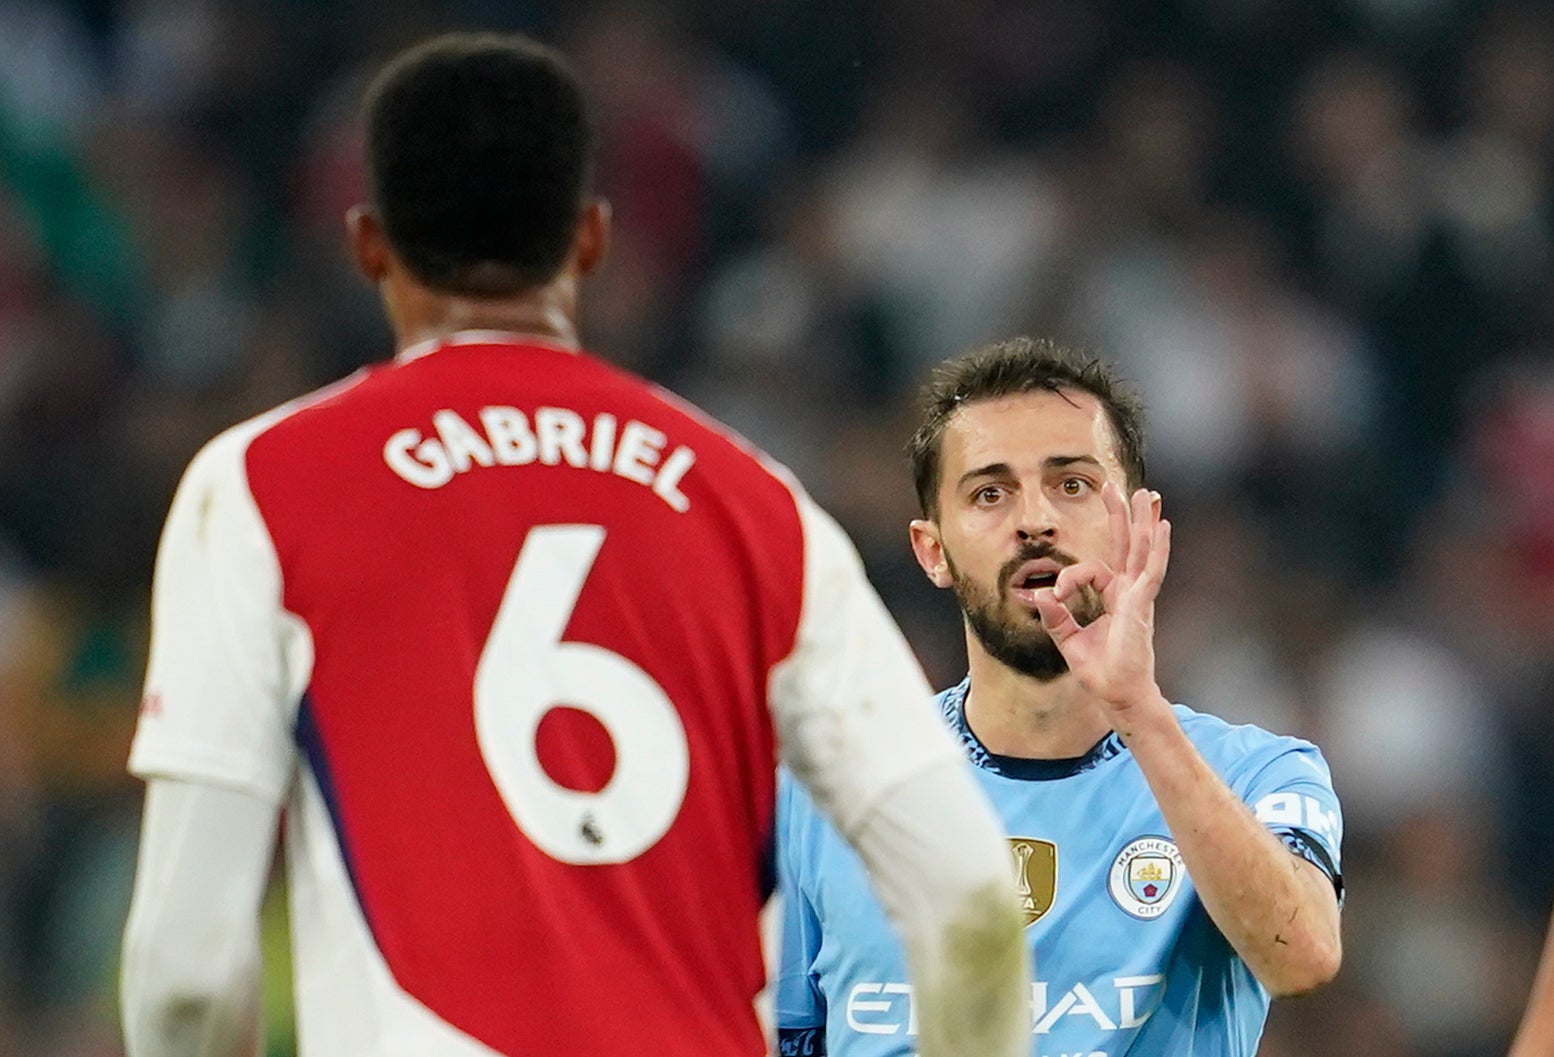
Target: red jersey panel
x=544, y=601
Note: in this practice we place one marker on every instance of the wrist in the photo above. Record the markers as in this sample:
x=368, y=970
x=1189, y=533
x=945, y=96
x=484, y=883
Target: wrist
x=1148, y=716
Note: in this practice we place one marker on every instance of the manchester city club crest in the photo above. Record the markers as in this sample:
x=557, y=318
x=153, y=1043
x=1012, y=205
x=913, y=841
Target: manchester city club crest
x=1036, y=874
x=1146, y=876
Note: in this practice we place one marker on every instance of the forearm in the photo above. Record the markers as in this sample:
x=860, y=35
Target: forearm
x=942, y=869
x=1277, y=910
x=211, y=1016
x=1535, y=1037
x=189, y=983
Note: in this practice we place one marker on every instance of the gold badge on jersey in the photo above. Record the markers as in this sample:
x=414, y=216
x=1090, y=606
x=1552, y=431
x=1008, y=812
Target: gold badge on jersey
x=1036, y=874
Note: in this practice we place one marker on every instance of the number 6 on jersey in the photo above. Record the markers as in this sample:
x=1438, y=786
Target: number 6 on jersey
x=526, y=669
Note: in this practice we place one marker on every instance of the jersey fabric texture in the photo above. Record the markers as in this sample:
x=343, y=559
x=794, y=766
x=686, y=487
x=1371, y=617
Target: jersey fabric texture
x=507, y=631
x=1127, y=960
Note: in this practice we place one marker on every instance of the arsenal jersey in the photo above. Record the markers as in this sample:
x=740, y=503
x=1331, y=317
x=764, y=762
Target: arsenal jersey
x=515, y=637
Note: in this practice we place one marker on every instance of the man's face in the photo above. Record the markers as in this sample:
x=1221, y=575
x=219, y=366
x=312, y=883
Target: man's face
x=1019, y=499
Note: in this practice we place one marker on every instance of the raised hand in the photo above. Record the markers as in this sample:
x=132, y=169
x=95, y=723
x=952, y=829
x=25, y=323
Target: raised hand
x=1114, y=656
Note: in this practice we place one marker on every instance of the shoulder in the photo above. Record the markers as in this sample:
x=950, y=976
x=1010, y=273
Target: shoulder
x=1207, y=730
x=948, y=700
x=729, y=473
x=1242, y=748
x=710, y=437
x=950, y=706
x=223, y=460
x=1285, y=781
x=311, y=410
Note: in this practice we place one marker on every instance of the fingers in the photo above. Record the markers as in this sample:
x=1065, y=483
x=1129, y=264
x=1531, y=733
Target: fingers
x=1055, y=617
x=1072, y=577
x=1146, y=539
x=1132, y=521
x=1159, y=557
x=1118, y=520
x=1140, y=592
x=1144, y=514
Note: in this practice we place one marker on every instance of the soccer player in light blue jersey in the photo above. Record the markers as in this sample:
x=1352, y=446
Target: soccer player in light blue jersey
x=1176, y=871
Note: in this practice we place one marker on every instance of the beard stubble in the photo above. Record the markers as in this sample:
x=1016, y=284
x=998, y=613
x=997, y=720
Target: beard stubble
x=1011, y=634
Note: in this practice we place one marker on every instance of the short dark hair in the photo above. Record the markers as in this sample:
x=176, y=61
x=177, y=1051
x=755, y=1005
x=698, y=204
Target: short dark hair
x=479, y=155
x=1020, y=365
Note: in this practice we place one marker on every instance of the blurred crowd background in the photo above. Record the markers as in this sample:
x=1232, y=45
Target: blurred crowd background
x=1319, y=235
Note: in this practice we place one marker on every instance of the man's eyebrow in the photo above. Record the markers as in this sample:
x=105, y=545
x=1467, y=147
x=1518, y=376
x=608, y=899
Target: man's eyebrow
x=1051, y=462
x=992, y=469
x=1058, y=462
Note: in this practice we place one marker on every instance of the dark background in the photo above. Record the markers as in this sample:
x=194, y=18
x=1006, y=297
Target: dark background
x=1319, y=235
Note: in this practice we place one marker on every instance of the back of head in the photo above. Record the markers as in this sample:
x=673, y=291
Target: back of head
x=479, y=155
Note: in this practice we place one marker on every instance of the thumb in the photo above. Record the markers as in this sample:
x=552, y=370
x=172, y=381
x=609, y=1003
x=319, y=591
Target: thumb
x=1055, y=617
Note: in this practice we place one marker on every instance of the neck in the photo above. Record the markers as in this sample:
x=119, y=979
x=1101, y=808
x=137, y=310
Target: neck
x=1013, y=714
x=419, y=315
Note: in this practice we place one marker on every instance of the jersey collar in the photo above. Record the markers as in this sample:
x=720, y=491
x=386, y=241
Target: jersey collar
x=953, y=704
x=480, y=337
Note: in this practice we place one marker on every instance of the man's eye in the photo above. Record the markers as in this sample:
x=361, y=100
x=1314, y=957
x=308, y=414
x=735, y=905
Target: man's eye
x=987, y=494
x=1074, y=485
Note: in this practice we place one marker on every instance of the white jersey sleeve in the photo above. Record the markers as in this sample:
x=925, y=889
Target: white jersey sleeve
x=854, y=714
x=227, y=665
x=189, y=976
x=858, y=728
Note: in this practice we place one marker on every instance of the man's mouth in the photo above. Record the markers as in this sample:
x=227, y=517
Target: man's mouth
x=1033, y=576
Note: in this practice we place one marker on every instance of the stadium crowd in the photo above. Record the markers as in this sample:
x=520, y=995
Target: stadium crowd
x=1320, y=237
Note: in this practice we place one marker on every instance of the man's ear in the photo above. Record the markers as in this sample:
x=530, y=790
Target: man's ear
x=369, y=245
x=592, y=238
x=928, y=549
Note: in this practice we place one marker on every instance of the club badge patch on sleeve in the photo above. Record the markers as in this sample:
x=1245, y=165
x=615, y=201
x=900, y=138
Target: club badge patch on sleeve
x=1145, y=877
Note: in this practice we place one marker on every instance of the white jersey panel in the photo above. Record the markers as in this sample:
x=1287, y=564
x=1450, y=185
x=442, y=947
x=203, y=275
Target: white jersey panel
x=348, y=1003
x=228, y=665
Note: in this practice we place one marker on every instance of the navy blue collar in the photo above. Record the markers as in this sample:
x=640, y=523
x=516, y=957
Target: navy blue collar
x=953, y=703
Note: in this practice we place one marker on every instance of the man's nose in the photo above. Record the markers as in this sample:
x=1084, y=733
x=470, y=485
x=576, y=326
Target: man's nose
x=1038, y=519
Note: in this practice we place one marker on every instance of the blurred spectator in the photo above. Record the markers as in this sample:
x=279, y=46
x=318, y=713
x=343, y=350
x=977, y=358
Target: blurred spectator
x=946, y=230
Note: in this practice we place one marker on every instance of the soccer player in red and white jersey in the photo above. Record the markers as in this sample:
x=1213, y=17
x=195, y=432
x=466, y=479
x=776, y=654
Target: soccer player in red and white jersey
x=515, y=640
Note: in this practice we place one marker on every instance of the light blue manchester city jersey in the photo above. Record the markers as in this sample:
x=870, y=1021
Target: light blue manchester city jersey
x=1127, y=960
